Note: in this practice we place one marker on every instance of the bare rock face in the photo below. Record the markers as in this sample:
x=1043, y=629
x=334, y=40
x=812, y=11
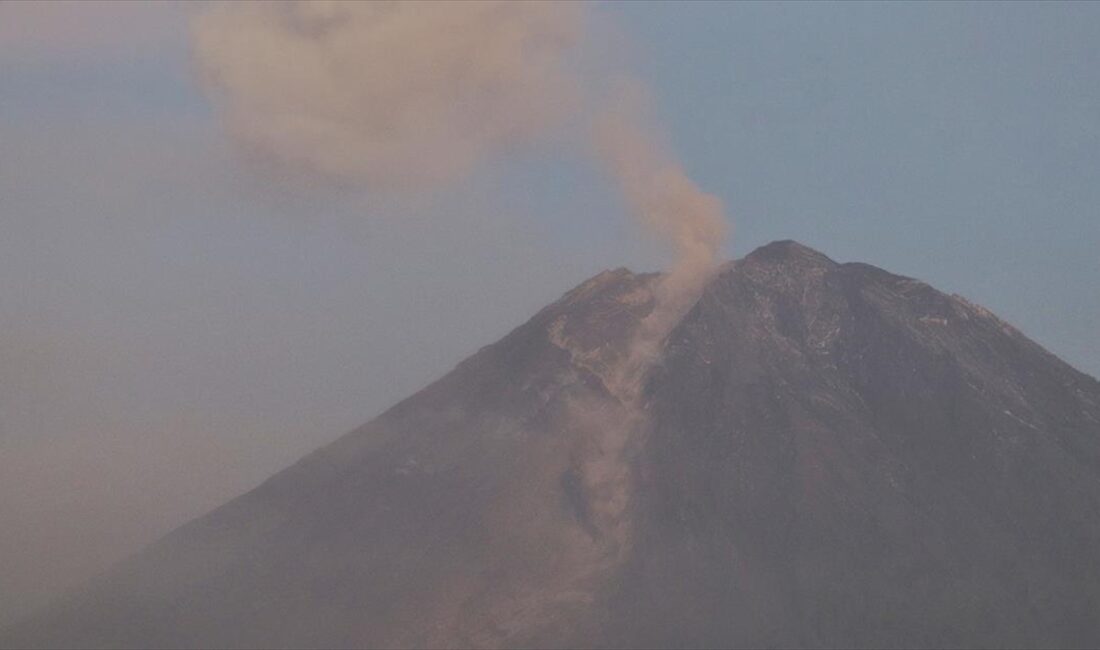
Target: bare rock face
x=825, y=455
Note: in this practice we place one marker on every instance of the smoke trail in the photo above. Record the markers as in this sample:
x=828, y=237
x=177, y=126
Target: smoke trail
x=672, y=206
x=409, y=95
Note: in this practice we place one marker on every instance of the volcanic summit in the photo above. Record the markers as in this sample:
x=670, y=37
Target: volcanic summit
x=822, y=455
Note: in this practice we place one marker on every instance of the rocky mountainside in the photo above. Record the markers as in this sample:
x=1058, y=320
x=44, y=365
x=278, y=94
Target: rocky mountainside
x=824, y=455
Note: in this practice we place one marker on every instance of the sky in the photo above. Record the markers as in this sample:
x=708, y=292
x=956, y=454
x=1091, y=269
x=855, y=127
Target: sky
x=176, y=325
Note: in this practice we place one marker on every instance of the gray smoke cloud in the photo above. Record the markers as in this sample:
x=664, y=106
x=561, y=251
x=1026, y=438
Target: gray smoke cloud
x=389, y=95
x=400, y=96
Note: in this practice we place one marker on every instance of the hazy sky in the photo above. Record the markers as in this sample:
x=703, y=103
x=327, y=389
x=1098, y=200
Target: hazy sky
x=175, y=326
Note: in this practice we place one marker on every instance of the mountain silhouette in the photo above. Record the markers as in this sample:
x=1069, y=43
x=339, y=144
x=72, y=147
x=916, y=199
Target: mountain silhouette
x=823, y=455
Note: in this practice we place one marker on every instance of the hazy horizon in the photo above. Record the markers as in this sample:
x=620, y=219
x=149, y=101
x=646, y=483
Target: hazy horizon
x=178, y=323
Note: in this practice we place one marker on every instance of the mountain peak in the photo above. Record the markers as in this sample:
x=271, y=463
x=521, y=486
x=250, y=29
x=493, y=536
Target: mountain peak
x=825, y=455
x=788, y=251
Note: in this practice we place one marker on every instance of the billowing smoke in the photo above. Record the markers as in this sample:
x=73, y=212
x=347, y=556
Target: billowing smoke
x=407, y=96
x=389, y=95
x=410, y=95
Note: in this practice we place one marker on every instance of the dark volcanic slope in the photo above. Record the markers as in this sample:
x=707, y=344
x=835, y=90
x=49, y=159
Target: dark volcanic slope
x=832, y=456
x=847, y=457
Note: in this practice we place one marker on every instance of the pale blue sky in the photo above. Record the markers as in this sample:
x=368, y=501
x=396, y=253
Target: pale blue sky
x=959, y=143
x=174, y=326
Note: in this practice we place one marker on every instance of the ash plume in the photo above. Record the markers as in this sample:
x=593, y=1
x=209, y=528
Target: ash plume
x=391, y=96
x=400, y=97
x=669, y=204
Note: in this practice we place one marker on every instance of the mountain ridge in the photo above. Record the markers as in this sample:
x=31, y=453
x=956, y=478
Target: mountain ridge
x=829, y=454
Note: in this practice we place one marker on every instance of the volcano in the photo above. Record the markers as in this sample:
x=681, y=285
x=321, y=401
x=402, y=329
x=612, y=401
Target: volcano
x=822, y=455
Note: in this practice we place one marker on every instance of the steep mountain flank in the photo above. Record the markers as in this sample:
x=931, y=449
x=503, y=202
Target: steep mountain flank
x=824, y=455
